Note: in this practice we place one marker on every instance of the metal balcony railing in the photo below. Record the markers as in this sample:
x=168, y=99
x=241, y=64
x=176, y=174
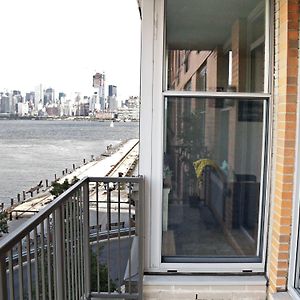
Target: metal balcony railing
x=87, y=243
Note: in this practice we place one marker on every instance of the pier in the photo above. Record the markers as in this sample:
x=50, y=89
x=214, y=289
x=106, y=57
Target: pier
x=115, y=162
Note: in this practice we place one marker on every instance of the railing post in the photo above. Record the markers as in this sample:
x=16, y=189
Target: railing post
x=141, y=236
x=86, y=240
x=3, y=285
x=59, y=253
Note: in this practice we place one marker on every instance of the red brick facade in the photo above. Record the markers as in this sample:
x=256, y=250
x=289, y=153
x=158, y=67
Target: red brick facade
x=285, y=112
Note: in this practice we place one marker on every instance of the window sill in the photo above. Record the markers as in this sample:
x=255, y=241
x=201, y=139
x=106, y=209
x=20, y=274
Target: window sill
x=178, y=287
x=282, y=296
x=204, y=280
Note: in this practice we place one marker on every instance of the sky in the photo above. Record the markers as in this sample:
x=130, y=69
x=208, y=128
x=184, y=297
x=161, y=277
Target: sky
x=62, y=43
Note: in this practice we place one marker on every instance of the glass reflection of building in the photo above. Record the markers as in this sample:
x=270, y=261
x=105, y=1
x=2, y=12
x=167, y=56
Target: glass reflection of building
x=213, y=155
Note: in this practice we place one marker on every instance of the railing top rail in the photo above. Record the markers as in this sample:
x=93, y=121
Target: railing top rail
x=15, y=236
x=137, y=179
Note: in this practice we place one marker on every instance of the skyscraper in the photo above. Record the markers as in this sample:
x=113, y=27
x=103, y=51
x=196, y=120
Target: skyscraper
x=39, y=96
x=49, y=96
x=99, y=84
x=112, y=98
x=112, y=90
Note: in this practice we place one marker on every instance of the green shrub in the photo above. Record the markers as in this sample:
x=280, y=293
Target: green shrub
x=59, y=188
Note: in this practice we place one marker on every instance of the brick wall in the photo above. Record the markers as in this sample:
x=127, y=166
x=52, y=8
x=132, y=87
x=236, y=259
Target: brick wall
x=285, y=106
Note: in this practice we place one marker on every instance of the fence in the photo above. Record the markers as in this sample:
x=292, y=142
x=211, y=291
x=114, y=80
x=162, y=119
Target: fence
x=87, y=243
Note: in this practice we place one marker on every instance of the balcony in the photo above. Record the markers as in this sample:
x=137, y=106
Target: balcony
x=86, y=244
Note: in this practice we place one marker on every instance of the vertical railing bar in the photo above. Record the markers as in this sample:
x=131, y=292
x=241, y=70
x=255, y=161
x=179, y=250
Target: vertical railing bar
x=54, y=256
x=3, y=278
x=87, y=261
x=141, y=238
x=72, y=246
x=108, y=234
x=129, y=211
x=81, y=242
x=68, y=248
x=11, y=276
x=59, y=253
x=28, y=259
x=75, y=246
x=79, y=245
x=97, y=228
x=64, y=249
x=36, y=262
x=43, y=260
x=49, y=236
x=119, y=237
x=78, y=242
x=20, y=273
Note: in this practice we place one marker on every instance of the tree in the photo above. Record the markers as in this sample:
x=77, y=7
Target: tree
x=59, y=188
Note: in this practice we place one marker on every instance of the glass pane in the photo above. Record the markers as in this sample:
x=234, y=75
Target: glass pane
x=216, y=45
x=212, y=177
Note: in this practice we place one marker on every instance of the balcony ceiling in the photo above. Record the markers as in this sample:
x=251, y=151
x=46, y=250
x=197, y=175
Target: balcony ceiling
x=203, y=24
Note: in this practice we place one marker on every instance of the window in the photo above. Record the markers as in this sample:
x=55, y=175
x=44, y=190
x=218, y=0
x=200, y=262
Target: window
x=212, y=177
x=204, y=32
x=215, y=132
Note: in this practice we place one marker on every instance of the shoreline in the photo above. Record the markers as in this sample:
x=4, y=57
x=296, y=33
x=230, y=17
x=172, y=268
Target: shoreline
x=54, y=145
x=75, y=118
x=109, y=163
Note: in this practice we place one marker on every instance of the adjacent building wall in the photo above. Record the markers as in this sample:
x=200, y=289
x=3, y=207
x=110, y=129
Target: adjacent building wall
x=282, y=146
x=284, y=130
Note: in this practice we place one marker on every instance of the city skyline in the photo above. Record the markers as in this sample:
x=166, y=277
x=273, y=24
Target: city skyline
x=50, y=103
x=62, y=46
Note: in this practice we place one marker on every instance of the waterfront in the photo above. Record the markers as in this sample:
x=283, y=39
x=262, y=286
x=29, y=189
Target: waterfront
x=32, y=150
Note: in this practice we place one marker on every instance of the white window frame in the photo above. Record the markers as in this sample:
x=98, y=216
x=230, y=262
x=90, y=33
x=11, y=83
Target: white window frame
x=153, y=80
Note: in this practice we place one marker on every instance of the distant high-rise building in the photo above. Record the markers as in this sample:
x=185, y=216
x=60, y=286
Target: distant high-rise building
x=12, y=103
x=16, y=93
x=61, y=95
x=92, y=102
x=99, y=84
x=29, y=97
x=16, y=98
x=49, y=96
x=112, y=103
x=112, y=90
x=4, y=103
x=22, y=109
x=39, y=96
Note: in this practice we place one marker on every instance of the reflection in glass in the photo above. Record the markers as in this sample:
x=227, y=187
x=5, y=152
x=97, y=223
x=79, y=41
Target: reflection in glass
x=225, y=37
x=212, y=177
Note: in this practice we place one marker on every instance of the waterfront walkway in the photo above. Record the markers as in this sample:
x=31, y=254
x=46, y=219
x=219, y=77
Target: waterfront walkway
x=123, y=160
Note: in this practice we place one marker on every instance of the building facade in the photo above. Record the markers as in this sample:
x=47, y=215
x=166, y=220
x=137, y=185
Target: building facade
x=220, y=148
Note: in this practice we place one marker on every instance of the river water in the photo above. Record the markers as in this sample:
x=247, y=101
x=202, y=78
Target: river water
x=34, y=150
